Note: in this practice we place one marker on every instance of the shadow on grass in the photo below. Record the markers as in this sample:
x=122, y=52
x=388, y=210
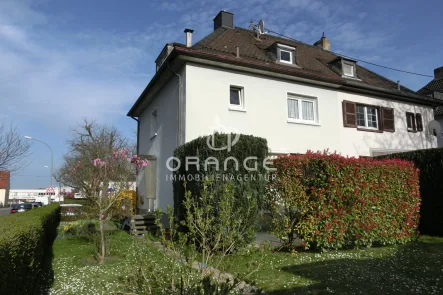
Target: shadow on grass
x=415, y=268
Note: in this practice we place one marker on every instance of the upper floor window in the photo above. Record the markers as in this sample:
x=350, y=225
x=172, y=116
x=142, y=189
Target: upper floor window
x=414, y=122
x=367, y=117
x=302, y=109
x=286, y=54
x=236, y=97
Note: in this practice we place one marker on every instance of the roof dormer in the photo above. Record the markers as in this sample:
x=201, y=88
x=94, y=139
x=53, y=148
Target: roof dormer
x=345, y=67
x=283, y=54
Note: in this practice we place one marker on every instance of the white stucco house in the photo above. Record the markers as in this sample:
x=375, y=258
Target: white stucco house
x=299, y=97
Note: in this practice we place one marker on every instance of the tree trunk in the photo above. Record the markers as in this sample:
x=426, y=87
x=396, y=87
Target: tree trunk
x=102, y=242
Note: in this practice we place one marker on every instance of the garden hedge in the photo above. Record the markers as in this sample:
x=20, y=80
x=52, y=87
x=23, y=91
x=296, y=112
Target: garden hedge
x=430, y=164
x=331, y=201
x=26, y=250
x=247, y=184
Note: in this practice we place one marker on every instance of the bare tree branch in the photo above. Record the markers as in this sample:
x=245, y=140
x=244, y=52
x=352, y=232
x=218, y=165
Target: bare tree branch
x=13, y=148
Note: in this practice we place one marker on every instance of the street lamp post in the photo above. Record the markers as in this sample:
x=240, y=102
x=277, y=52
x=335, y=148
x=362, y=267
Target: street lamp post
x=52, y=155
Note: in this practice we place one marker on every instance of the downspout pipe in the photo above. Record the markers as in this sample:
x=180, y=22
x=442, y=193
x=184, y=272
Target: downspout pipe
x=179, y=134
x=138, y=134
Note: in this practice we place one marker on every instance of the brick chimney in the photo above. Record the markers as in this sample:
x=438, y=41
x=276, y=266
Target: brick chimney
x=438, y=73
x=224, y=19
x=323, y=43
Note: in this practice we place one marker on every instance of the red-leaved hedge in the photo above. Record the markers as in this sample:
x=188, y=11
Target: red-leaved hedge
x=331, y=202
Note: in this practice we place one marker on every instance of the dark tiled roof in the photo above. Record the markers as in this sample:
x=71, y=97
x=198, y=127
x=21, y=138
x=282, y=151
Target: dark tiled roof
x=310, y=59
x=313, y=64
x=434, y=85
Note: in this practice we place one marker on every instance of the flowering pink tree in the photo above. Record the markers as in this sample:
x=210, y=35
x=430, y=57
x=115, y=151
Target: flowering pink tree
x=114, y=174
x=101, y=165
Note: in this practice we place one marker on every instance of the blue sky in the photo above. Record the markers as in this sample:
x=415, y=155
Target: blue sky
x=62, y=61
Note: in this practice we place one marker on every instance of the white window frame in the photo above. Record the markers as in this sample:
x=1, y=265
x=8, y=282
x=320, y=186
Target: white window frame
x=288, y=49
x=352, y=70
x=290, y=56
x=241, y=106
x=300, y=99
x=366, y=117
x=351, y=64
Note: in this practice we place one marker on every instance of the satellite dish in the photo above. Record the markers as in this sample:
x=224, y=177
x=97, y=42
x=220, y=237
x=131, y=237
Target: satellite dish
x=434, y=128
x=261, y=26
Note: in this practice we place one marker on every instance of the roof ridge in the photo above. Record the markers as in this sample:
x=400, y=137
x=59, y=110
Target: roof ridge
x=332, y=53
x=293, y=41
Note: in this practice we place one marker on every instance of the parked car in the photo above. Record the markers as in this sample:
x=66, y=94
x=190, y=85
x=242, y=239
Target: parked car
x=17, y=208
x=37, y=204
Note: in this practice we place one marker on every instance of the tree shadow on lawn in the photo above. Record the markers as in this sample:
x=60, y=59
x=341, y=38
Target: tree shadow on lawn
x=415, y=268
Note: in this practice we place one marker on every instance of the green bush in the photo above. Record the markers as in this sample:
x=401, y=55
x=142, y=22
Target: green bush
x=332, y=202
x=430, y=164
x=26, y=250
x=247, y=185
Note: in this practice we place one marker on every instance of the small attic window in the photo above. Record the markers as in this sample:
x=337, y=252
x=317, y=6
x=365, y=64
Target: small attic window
x=285, y=54
x=348, y=68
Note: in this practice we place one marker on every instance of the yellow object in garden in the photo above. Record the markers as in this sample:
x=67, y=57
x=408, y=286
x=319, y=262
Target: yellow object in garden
x=127, y=194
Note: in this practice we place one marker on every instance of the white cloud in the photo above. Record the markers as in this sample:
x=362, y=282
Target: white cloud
x=46, y=76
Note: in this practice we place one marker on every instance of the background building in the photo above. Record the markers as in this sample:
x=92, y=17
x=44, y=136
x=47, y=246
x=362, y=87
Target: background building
x=36, y=195
x=5, y=177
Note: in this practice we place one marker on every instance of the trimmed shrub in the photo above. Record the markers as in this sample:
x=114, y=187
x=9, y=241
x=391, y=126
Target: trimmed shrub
x=331, y=202
x=26, y=250
x=430, y=164
x=249, y=186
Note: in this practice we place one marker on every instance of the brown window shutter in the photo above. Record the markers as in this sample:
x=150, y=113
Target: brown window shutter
x=419, y=122
x=387, y=115
x=349, y=114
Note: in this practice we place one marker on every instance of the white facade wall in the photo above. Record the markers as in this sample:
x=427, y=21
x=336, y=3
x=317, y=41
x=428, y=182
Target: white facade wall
x=205, y=104
x=266, y=113
x=161, y=145
x=3, y=197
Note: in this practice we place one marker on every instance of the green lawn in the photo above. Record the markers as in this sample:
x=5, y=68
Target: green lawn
x=77, y=272
x=414, y=268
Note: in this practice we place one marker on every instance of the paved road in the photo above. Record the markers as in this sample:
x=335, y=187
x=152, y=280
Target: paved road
x=4, y=211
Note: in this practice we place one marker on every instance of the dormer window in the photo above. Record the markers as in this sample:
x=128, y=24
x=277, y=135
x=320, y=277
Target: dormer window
x=348, y=68
x=285, y=54
x=345, y=67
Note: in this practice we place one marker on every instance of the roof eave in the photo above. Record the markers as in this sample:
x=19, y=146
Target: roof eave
x=133, y=111
x=347, y=85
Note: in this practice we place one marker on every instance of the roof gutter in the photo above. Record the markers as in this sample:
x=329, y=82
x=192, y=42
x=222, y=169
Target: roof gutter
x=164, y=66
x=179, y=104
x=190, y=55
x=138, y=133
